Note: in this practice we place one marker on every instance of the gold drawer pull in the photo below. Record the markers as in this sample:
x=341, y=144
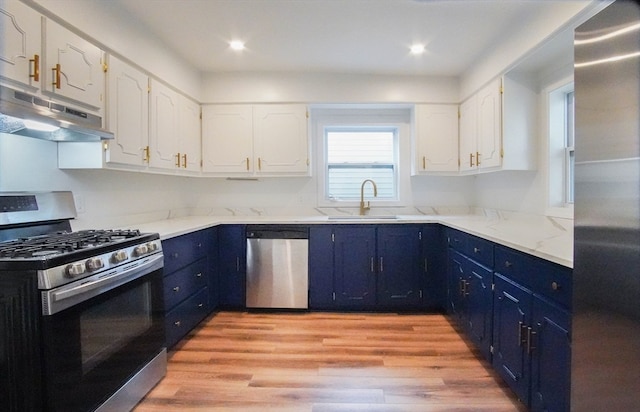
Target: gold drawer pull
x=176, y=289
x=177, y=323
x=555, y=285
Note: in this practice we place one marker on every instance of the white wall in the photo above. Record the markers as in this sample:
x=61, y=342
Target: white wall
x=327, y=88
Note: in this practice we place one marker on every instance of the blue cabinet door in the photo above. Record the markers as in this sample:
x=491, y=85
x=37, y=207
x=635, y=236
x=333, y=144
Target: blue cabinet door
x=212, y=262
x=511, y=317
x=550, y=357
x=321, y=267
x=400, y=266
x=434, y=259
x=355, y=266
x=232, y=266
x=456, y=276
x=479, y=305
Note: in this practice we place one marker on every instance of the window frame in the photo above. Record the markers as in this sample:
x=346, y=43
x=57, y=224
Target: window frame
x=388, y=117
x=558, y=152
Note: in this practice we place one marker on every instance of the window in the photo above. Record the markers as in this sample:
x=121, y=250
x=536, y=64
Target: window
x=569, y=149
x=357, y=154
x=354, y=143
x=561, y=149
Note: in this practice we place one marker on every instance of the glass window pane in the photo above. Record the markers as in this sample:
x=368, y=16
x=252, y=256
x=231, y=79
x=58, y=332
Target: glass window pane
x=356, y=155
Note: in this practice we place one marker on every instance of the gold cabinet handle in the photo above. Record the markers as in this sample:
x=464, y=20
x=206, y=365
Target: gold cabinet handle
x=259, y=164
x=176, y=289
x=56, y=76
x=199, y=274
x=184, y=160
x=247, y=163
x=381, y=264
x=470, y=159
x=424, y=163
x=178, y=160
x=146, y=154
x=478, y=158
x=36, y=68
x=177, y=323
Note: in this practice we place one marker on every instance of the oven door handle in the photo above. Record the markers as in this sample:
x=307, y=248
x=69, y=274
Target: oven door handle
x=56, y=300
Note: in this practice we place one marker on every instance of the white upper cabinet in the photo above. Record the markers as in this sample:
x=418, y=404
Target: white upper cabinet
x=436, y=139
x=163, y=129
x=21, y=29
x=481, y=129
x=260, y=140
x=227, y=140
x=489, y=153
x=127, y=114
x=280, y=139
x=189, y=139
x=73, y=68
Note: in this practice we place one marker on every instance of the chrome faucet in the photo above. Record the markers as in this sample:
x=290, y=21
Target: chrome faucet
x=364, y=208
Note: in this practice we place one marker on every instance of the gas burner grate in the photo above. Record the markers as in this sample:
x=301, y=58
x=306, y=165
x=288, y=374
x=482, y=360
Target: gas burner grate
x=63, y=242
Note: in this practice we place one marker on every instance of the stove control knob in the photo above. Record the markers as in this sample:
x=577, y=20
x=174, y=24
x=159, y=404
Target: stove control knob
x=153, y=246
x=74, y=269
x=94, y=264
x=119, y=256
x=141, y=250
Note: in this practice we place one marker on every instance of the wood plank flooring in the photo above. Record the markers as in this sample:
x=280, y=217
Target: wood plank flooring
x=327, y=362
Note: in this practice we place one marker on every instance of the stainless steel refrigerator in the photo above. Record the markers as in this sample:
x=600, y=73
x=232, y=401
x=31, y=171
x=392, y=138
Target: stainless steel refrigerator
x=605, y=364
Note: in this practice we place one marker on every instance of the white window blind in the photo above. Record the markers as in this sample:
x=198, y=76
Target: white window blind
x=356, y=154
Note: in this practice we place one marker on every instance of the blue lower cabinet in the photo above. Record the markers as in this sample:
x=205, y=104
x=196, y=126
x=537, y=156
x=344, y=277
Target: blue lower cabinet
x=550, y=357
x=355, y=266
x=375, y=267
x=232, y=272
x=512, y=335
x=400, y=266
x=321, y=295
x=183, y=318
x=189, y=281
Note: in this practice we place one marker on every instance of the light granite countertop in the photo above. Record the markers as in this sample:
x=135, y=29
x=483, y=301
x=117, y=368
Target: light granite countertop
x=541, y=236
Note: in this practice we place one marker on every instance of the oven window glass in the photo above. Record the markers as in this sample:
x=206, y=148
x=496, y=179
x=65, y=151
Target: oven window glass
x=108, y=327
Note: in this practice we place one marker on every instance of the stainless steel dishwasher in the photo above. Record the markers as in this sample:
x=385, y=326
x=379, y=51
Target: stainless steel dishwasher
x=277, y=267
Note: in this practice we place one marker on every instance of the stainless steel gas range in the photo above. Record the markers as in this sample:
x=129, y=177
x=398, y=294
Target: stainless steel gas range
x=81, y=312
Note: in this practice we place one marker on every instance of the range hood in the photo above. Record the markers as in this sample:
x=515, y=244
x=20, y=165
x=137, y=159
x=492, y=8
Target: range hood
x=29, y=115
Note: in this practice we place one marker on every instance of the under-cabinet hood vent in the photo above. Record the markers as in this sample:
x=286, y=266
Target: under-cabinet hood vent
x=28, y=115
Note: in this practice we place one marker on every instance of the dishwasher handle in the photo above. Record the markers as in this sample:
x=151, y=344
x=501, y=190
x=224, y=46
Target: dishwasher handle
x=277, y=232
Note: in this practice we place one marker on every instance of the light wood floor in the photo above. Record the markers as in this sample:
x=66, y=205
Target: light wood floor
x=327, y=362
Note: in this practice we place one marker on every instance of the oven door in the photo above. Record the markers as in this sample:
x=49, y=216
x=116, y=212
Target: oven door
x=94, y=347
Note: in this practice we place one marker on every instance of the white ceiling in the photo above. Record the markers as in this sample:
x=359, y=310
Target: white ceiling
x=347, y=36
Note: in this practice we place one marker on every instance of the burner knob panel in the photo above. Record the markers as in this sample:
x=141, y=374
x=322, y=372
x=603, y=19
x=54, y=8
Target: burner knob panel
x=94, y=264
x=141, y=250
x=119, y=256
x=74, y=269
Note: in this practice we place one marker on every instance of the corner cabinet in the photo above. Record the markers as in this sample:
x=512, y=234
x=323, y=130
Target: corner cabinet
x=435, y=139
x=156, y=129
x=255, y=140
x=481, y=129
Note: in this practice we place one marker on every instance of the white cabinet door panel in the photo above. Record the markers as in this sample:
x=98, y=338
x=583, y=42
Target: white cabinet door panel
x=280, y=135
x=128, y=114
x=21, y=29
x=437, y=138
x=164, y=132
x=227, y=139
x=74, y=67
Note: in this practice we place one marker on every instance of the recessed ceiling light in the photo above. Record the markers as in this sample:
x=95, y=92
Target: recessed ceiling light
x=417, y=48
x=237, y=45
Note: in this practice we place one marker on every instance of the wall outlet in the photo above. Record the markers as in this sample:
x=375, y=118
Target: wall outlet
x=79, y=201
